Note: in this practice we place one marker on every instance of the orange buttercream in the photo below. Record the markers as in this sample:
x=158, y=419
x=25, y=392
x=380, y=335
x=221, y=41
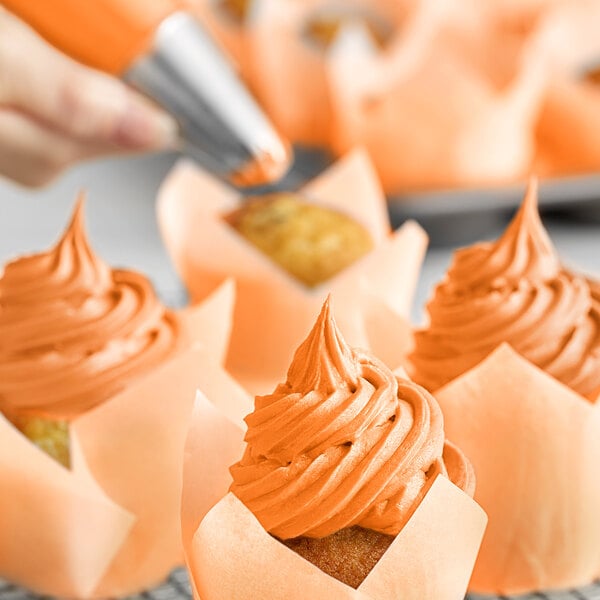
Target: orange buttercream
x=73, y=332
x=517, y=291
x=343, y=442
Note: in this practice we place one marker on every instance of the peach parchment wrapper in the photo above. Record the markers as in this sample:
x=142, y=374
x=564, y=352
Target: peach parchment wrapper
x=574, y=107
x=449, y=99
x=273, y=311
x=110, y=525
x=462, y=113
x=290, y=72
x=230, y=555
x=567, y=131
x=535, y=447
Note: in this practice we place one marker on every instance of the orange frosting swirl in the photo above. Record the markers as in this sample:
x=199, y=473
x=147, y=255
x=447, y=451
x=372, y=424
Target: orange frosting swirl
x=343, y=442
x=72, y=331
x=514, y=290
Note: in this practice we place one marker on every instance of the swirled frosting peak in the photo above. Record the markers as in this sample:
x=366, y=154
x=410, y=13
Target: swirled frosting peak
x=514, y=290
x=71, y=267
x=73, y=332
x=343, y=442
x=323, y=362
x=524, y=251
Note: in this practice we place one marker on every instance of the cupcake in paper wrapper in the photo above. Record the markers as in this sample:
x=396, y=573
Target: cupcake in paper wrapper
x=569, y=124
x=274, y=309
x=442, y=93
x=292, y=45
x=512, y=353
x=534, y=444
x=462, y=115
x=93, y=347
x=313, y=465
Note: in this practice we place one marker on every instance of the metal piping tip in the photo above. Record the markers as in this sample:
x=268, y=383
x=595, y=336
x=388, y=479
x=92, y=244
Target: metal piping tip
x=222, y=126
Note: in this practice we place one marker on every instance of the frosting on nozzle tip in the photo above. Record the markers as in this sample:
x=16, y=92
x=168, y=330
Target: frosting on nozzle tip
x=267, y=167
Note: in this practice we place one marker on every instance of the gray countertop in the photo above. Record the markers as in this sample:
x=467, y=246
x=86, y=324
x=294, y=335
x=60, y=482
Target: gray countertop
x=121, y=220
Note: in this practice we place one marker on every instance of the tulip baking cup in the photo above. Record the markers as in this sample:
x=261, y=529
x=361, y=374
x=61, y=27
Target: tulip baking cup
x=385, y=467
x=572, y=102
x=273, y=310
x=526, y=414
x=70, y=328
x=534, y=445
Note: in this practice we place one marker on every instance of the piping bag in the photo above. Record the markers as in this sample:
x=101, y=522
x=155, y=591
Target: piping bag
x=159, y=48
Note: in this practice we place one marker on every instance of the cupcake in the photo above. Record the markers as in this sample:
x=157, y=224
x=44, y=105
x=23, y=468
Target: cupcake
x=87, y=354
x=512, y=350
x=568, y=32
x=343, y=74
x=291, y=46
x=461, y=113
x=514, y=290
x=286, y=252
x=535, y=448
x=342, y=463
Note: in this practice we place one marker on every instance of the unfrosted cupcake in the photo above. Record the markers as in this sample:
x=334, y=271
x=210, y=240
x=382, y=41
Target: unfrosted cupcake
x=514, y=290
x=286, y=252
x=312, y=243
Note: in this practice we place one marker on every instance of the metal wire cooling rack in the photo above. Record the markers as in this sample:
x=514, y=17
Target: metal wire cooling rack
x=177, y=587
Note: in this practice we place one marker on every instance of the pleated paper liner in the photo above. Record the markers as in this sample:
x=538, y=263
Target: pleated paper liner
x=483, y=70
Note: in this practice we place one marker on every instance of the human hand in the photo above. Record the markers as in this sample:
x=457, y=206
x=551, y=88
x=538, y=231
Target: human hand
x=54, y=111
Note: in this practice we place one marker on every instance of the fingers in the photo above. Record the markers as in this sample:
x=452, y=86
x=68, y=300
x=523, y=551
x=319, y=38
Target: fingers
x=74, y=100
x=33, y=155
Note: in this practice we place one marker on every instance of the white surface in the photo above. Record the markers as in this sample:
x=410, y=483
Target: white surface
x=121, y=222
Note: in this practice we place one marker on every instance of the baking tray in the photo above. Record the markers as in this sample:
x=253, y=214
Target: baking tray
x=461, y=216
x=177, y=587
